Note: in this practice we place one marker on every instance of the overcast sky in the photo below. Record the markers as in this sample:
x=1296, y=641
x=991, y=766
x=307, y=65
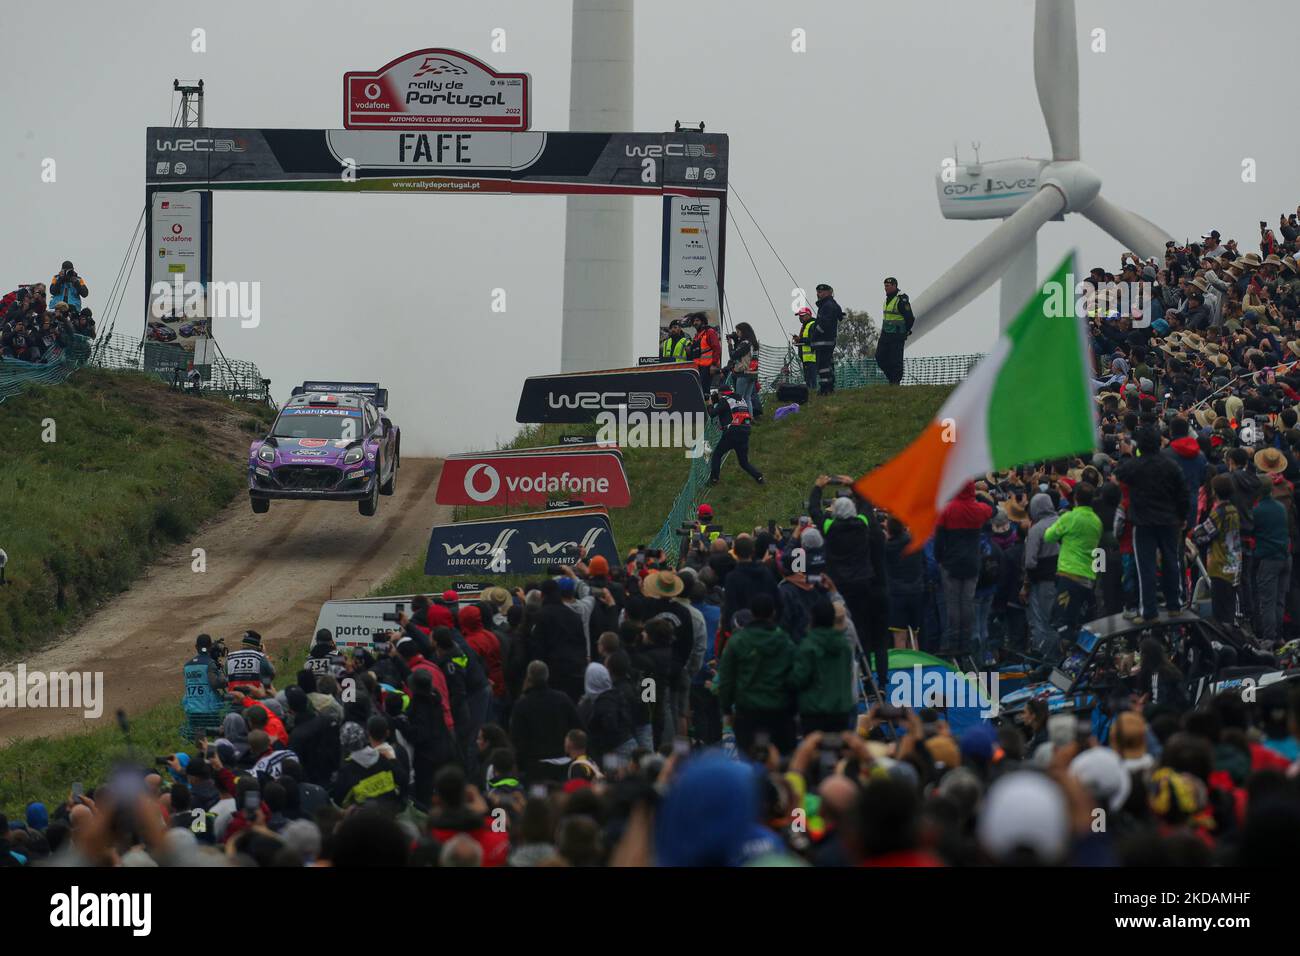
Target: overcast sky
x=834, y=151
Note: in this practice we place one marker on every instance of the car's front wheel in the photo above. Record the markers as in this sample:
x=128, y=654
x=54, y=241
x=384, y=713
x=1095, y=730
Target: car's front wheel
x=260, y=505
x=370, y=505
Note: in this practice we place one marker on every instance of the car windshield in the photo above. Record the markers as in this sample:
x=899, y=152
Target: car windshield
x=332, y=423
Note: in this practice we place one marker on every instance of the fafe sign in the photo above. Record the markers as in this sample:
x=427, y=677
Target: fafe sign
x=436, y=89
x=595, y=476
x=520, y=544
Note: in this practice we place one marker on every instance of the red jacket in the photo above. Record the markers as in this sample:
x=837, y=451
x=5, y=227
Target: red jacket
x=274, y=725
x=495, y=844
x=486, y=645
x=964, y=512
x=420, y=663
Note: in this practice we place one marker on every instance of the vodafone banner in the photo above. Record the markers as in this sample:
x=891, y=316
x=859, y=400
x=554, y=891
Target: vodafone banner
x=496, y=479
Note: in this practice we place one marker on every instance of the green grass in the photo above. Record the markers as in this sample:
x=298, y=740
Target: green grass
x=849, y=433
x=131, y=469
x=44, y=769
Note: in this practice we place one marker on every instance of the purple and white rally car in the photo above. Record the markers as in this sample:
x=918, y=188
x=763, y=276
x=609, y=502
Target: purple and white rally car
x=331, y=441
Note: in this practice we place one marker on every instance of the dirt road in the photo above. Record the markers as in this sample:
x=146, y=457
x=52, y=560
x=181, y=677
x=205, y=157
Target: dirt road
x=266, y=572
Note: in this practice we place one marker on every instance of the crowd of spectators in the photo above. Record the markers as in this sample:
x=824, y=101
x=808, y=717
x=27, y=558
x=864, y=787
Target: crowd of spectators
x=38, y=321
x=719, y=706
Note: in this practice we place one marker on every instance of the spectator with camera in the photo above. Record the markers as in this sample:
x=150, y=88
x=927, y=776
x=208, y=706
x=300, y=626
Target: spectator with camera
x=67, y=286
x=742, y=367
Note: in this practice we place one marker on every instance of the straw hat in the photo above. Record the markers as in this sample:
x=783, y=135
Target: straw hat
x=1193, y=341
x=1270, y=461
x=1274, y=261
x=1290, y=262
x=1103, y=397
x=1015, y=510
x=664, y=584
x=1219, y=360
x=1204, y=416
x=1250, y=260
x=1199, y=284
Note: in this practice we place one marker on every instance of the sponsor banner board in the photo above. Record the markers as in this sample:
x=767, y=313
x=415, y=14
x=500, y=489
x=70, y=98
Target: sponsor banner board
x=580, y=396
x=520, y=544
x=436, y=88
x=597, y=476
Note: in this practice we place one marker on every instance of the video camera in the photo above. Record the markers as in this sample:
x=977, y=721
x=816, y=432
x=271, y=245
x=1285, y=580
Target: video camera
x=218, y=649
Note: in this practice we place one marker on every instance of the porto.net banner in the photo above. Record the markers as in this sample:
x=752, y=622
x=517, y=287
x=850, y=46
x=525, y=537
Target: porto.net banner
x=520, y=544
x=574, y=397
x=596, y=477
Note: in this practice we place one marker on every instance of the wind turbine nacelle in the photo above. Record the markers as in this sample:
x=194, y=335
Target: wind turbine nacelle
x=987, y=190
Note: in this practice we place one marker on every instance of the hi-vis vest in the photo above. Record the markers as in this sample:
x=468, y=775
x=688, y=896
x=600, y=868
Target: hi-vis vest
x=894, y=320
x=806, y=354
x=200, y=698
x=706, y=533
x=674, y=349
x=707, y=357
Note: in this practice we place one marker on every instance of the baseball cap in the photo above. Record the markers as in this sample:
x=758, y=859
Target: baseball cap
x=567, y=584
x=705, y=511
x=252, y=639
x=450, y=596
x=1024, y=810
x=598, y=567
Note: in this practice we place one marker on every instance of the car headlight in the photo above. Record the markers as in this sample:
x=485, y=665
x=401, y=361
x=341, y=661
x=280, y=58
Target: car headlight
x=266, y=453
x=354, y=455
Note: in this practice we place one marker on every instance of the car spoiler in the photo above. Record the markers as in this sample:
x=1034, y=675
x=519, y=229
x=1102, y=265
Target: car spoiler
x=370, y=390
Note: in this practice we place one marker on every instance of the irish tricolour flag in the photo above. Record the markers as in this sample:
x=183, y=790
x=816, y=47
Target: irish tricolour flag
x=1030, y=399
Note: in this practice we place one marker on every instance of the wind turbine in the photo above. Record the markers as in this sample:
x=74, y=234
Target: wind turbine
x=1026, y=193
x=597, y=316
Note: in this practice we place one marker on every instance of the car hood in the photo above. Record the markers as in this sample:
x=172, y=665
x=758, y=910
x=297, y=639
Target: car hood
x=310, y=451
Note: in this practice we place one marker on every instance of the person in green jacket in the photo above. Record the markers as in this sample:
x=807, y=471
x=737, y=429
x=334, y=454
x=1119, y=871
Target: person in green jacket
x=823, y=674
x=1078, y=532
x=754, y=680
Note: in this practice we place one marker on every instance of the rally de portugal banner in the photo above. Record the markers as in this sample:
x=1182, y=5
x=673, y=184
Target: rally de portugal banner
x=596, y=477
x=520, y=544
x=581, y=396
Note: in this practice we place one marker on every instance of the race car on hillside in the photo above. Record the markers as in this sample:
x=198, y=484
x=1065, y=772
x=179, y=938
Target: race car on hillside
x=1211, y=657
x=332, y=441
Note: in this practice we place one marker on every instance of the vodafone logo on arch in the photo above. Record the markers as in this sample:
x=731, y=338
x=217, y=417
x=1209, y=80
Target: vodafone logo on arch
x=493, y=482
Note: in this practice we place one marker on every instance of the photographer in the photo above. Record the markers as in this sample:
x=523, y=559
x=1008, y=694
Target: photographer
x=743, y=366
x=68, y=287
x=249, y=666
x=204, y=682
x=734, y=419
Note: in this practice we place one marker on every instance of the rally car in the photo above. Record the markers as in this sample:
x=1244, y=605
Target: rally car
x=1212, y=658
x=159, y=332
x=331, y=441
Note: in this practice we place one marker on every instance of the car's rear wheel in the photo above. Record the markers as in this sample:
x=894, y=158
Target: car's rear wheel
x=370, y=505
x=260, y=505
x=389, y=486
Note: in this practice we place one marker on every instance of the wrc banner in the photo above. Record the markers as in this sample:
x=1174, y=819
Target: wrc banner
x=495, y=478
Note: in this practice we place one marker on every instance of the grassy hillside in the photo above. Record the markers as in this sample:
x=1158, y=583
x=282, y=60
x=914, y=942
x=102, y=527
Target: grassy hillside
x=850, y=433
x=132, y=468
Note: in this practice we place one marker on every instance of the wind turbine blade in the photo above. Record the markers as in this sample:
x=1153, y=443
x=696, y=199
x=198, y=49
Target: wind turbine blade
x=1128, y=228
x=1056, y=74
x=984, y=265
